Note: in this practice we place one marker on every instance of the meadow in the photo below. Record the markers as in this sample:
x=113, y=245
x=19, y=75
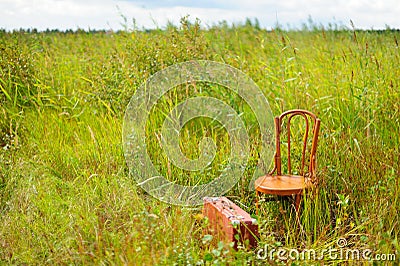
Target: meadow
x=66, y=195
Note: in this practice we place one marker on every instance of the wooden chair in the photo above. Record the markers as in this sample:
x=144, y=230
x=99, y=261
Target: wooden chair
x=276, y=183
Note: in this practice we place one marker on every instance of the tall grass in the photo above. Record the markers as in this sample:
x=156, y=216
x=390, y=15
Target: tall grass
x=65, y=192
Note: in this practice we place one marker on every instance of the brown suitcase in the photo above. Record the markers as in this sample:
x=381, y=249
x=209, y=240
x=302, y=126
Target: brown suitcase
x=229, y=223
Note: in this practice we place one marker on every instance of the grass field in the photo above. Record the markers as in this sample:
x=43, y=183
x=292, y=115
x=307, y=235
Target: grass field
x=66, y=196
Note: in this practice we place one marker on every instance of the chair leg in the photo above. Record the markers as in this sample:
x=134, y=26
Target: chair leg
x=297, y=202
x=257, y=197
x=297, y=207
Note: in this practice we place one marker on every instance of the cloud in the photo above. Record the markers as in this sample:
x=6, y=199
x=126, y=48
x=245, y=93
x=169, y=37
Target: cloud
x=106, y=14
x=62, y=14
x=223, y=4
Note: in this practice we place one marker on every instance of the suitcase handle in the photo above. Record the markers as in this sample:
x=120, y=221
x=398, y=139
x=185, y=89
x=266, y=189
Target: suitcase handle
x=231, y=212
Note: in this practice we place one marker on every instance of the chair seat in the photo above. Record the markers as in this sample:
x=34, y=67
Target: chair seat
x=283, y=185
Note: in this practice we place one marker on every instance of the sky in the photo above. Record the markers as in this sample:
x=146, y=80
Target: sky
x=109, y=14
